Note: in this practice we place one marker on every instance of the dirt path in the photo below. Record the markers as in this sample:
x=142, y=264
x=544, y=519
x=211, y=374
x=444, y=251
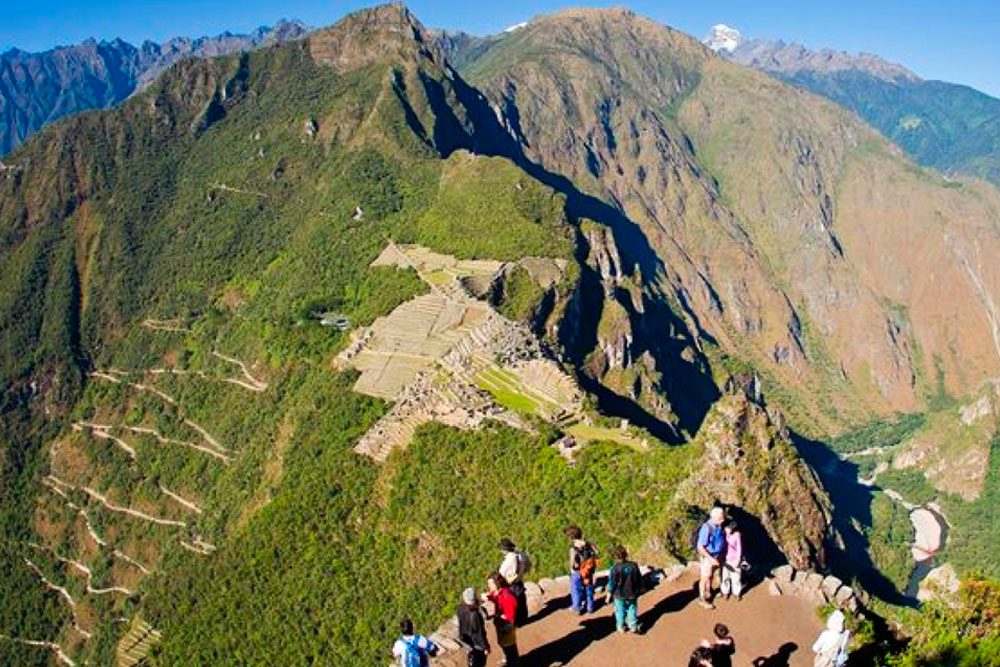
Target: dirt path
x=180, y=500
x=673, y=625
x=103, y=432
x=108, y=504
x=219, y=454
x=77, y=565
x=252, y=383
x=51, y=646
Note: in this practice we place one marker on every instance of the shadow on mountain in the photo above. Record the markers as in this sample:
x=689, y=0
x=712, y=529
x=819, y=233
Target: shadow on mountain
x=852, y=507
x=688, y=385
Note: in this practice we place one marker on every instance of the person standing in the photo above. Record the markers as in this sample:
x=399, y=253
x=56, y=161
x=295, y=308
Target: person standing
x=513, y=567
x=624, y=586
x=472, y=628
x=711, y=545
x=732, y=567
x=582, y=566
x=411, y=649
x=830, y=648
x=498, y=592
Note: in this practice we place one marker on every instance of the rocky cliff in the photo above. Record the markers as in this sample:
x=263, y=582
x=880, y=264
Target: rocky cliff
x=750, y=465
x=760, y=212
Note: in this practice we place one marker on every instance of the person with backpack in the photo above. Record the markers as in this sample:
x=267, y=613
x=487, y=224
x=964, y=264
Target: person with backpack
x=514, y=566
x=831, y=645
x=583, y=564
x=472, y=628
x=711, y=546
x=732, y=567
x=504, y=616
x=411, y=649
x=624, y=586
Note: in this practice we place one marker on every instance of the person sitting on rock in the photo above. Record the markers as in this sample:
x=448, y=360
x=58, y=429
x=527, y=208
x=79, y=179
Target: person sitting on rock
x=624, y=586
x=513, y=567
x=504, y=615
x=701, y=657
x=582, y=565
x=711, y=547
x=472, y=628
x=411, y=649
x=732, y=567
x=831, y=645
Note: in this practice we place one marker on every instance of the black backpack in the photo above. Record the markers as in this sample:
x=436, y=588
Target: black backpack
x=583, y=553
x=694, y=537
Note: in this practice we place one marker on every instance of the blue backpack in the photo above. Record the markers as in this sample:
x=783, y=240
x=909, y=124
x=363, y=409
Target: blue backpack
x=413, y=655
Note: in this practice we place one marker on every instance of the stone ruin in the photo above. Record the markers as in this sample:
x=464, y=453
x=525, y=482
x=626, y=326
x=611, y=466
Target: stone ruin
x=426, y=354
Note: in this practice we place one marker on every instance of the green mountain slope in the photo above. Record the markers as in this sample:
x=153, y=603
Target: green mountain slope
x=953, y=128
x=179, y=435
x=292, y=338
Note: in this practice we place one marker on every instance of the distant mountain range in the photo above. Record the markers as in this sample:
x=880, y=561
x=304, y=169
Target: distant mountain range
x=950, y=127
x=38, y=88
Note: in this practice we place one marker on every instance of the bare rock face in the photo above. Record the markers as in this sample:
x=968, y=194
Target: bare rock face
x=366, y=37
x=779, y=226
x=750, y=463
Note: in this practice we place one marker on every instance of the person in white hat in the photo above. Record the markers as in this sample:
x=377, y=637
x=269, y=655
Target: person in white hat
x=831, y=645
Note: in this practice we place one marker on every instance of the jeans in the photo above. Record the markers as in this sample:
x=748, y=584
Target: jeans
x=627, y=613
x=477, y=658
x=578, y=592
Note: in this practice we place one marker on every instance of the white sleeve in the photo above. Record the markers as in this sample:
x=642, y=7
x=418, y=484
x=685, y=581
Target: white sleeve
x=398, y=649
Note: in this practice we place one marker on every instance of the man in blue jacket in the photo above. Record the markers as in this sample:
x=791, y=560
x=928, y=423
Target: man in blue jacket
x=711, y=549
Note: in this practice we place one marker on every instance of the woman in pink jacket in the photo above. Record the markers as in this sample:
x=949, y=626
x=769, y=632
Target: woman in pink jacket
x=732, y=569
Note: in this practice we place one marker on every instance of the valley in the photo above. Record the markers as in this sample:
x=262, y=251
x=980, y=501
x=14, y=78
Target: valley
x=294, y=335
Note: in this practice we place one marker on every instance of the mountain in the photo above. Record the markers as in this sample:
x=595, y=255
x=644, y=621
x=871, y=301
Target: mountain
x=38, y=88
x=293, y=336
x=953, y=128
x=762, y=213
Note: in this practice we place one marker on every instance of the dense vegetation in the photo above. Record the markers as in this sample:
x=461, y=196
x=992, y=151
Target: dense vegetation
x=964, y=632
x=345, y=548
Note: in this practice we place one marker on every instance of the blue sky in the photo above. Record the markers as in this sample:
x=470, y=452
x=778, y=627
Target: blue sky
x=953, y=40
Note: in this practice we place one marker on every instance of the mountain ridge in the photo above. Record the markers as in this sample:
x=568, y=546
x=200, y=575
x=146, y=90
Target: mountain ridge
x=37, y=88
x=193, y=273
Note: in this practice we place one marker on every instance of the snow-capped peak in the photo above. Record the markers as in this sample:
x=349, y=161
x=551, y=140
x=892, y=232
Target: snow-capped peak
x=723, y=38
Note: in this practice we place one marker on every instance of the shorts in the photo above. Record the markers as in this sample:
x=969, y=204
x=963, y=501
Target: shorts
x=708, y=566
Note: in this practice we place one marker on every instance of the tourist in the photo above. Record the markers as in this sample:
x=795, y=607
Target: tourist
x=472, y=628
x=412, y=650
x=504, y=616
x=732, y=568
x=831, y=646
x=701, y=657
x=582, y=566
x=624, y=586
x=723, y=646
x=513, y=567
x=711, y=546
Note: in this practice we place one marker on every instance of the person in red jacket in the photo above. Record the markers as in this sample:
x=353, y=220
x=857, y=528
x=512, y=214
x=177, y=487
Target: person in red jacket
x=504, y=616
